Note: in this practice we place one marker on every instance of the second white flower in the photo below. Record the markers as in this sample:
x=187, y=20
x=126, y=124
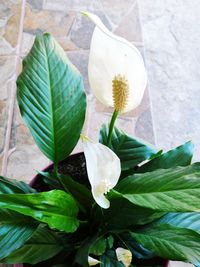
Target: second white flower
x=103, y=168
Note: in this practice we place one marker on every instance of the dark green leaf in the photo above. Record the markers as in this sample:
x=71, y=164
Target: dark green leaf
x=81, y=193
x=136, y=249
x=180, y=156
x=10, y=217
x=189, y=220
x=51, y=180
x=98, y=247
x=176, y=189
x=83, y=252
x=110, y=260
x=11, y=186
x=123, y=214
x=51, y=98
x=171, y=242
x=44, y=244
x=110, y=241
x=131, y=151
x=56, y=208
x=14, y=235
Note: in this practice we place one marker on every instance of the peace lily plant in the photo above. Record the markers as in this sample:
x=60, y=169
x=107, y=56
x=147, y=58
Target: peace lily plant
x=135, y=206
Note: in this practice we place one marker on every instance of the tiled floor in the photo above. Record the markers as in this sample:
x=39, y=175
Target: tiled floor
x=21, y=20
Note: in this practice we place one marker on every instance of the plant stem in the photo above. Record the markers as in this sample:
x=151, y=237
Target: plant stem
x=111, y=126
x=55, y=168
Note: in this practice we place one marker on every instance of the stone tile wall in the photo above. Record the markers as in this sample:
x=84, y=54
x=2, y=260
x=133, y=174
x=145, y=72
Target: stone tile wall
x=172, y=41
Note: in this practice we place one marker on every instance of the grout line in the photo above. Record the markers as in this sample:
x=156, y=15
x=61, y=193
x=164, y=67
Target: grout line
x=13, y=93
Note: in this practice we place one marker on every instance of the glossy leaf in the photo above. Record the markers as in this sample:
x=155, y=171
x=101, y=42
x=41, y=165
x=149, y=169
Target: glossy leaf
x=84, y=250
x=171, y=242
x=129, y=215
x=189, y=220
x=176, y=189
x=11, y=186
x=56, y=208
x=131, y=151
x=180, y=156
x=14, y=235
x=136, y=248
x=10, y=217
x=44, y=244
x=99, y=247
x=51, y=98
x=80, y=192
x=15, y=229
x=109, y=259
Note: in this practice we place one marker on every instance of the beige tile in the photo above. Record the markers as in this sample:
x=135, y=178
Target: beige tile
x=55, y=22
x=7, y=70
x=6, y=83
x=80, y=60
x=10, y=14
x=26, y=157
x=25, y=161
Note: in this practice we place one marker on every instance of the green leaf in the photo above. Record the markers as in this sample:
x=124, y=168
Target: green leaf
x=129, y=215
x=110, y=241
x=180, y=156
x=56, y=208
x=99, y=247
x=11, y=186
x=44, y=244
x=176, y=189
x=81, y=193
x=170, y=242
x=50, y=180
x=14, y=235
x=10, y=217
x=51, y=98
x=189, y=220
x=15, y=229
x=136, y=249
x=83, y=252
x=110, y=260
x=131, y=151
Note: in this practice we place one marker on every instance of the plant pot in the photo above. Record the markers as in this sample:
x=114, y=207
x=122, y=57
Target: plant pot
x=74, y=166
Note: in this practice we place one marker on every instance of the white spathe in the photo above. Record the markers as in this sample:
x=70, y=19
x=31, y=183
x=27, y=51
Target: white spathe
x=103, y=168
x=111, y=55
x=124, y=255
x=92, y=261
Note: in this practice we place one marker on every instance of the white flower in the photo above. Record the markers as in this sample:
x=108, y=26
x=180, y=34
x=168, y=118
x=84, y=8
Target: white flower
x=92, y=261
x=124, y=255
x=115, y=61
x=103, y=168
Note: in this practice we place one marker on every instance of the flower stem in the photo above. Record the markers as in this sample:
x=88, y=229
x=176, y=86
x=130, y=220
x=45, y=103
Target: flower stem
x=55, y=168
x=111, y=126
